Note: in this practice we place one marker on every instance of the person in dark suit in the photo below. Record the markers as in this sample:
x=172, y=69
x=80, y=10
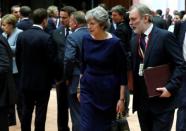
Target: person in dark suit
x=167, y=17
x=24, y=24
x=158, y=20
x=35, y=55
x=180, y=30
x=7, y=85
x=59, y=37
x=151, y=47
x=72, y=63
x=124, y=32
x=25, y=21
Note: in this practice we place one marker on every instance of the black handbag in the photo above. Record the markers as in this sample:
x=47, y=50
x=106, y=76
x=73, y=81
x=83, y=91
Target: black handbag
x=120, y=123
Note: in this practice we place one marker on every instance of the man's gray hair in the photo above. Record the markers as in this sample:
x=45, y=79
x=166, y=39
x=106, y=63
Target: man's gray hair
x=79, y=16
x=100, y=15
x=143, y=10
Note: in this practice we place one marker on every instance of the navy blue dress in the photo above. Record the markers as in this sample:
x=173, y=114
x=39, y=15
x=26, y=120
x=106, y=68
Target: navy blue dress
x=104, y=70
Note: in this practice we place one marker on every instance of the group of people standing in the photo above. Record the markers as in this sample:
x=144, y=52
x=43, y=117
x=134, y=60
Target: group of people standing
x=86, y=57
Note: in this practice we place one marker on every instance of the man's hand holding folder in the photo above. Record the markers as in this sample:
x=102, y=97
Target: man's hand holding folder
x=156, y=78
x=164, y=92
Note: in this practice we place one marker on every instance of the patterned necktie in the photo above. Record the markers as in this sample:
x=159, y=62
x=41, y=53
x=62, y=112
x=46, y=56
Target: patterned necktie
x=142, y=42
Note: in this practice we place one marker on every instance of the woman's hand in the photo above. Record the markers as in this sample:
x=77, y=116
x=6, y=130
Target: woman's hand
x=78, y=96
x=120, y=106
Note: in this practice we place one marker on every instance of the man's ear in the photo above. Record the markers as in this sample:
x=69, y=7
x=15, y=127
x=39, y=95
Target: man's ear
x=76, y=25
x=146, y=18
x=45, y=23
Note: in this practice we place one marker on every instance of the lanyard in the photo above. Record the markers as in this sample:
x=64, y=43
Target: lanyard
x=140, y=51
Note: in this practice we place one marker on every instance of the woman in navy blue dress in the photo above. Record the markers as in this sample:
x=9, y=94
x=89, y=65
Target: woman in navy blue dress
x=103, y=71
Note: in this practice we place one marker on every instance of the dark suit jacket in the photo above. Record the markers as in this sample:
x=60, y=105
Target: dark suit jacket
x=162, y=49
x=124, y=32
x=1, y=31
x=180, y=29
x=159, y=22
x=25, y=24
x=111, y=29
x=168, y=20
x=72, y=56
x=7, y=86
x=59, y=38
x=35, y=54
x=51, y=26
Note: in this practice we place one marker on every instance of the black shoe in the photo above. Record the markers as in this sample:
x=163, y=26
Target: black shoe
x=11, y=119
x=11, y=122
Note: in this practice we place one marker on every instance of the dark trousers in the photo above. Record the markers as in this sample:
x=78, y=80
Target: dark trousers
x=62, y=107
x=19, y=102
x=74, y=112
x=40, y=102
x=127, y=100
x=19, y=105
x=181, y=119
x=11, y=112
x=74, y=103
x=4, y=119
x=11, y=115
x=150, y=121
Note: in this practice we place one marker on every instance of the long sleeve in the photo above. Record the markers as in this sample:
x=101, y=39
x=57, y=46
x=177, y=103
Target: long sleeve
x=18, y=53
x=4, y=60
x=175, y=53
x=70, y=56
x=83, y=64
x=121, y=63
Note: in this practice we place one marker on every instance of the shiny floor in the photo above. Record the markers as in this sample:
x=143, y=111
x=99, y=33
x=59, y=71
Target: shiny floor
x=51, y=124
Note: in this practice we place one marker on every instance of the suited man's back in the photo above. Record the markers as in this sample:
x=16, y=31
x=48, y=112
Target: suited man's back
x=25, y=24
x=35, y=52
x=73, y=54
x=159, y=22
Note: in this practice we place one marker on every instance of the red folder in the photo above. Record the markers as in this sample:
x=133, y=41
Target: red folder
x=156, y=77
